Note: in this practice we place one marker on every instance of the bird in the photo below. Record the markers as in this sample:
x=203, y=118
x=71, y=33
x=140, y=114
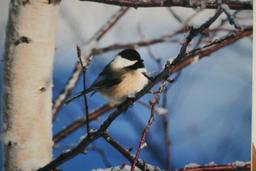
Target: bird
x=121, y=78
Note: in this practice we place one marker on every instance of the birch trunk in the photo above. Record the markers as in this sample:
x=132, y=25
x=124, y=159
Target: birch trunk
x=28, y=66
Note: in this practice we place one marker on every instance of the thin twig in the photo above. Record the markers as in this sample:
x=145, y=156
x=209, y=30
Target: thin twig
x=194, y=32
x=167, y=142
x=221, y=167
x=154, y=150
x=224, y=21
x=230, y=18
x=148, y=42
x=144, y=134
x=177, y=17
x=82, y=121
x=238, y=5
x=123, y=151
x=165, y=122
x=84, y=87
x=142, y=43
x=196, y=54
x=201, y=37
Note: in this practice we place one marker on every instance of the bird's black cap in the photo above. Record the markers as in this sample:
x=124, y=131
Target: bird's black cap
x=130, y=54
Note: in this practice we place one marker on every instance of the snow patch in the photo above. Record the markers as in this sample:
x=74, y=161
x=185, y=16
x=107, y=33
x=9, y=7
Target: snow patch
x=239, y=163
x=161, y=111
x=212, y=163
x=196, y=59
x=191, y=165
x=144, y=145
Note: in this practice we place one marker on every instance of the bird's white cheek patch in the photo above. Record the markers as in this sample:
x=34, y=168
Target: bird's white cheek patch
x=142, y=70
x=120, y=62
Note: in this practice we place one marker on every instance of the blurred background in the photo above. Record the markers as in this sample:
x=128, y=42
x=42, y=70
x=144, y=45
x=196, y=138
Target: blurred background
x=209, y=105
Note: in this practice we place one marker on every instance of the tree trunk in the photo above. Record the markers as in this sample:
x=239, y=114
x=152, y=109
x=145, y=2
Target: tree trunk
x=28, y=67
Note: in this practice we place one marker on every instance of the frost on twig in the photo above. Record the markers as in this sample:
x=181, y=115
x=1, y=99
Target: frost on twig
x=191, y=165
x=161, y=110
x=212, y=166
x=126, y=167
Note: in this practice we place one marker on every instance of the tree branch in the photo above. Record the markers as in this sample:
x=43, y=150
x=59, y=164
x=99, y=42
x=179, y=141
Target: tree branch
x=145, y=131
x=233, y=4
x=194, y=32
x=123, y=151
x=84, y=87
x=230, y=18
x=196, y=54
x=80, y=122
x=226, y=167
x=148, y=42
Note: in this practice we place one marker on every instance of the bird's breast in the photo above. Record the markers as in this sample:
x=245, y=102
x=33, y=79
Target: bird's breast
x=132, y=82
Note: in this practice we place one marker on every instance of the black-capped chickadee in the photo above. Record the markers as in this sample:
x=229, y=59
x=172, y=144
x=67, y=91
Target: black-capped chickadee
x=123, y=77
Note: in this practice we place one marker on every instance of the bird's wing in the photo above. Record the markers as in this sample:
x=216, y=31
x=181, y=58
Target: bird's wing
x=106, y=78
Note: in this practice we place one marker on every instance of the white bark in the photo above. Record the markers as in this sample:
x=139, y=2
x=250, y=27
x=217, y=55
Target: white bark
x=28, y=66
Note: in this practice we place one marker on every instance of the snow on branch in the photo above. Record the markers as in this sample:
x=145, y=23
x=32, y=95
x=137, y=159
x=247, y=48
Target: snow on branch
x=238, y=165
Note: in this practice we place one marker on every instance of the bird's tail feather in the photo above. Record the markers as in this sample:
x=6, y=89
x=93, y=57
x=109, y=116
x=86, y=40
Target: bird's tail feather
x=78, y=95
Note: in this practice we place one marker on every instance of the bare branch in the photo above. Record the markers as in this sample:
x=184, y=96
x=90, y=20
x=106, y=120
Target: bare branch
x=145, y=131
x=122, y=150
x=73, y=79
x=167, y=142
x=196, y=54
x=148, y=42
x=165, y=122
x=80, y=122
x=176, y=16
x=194, y=32
x=142, y=43
x=230, y=18
x=226, y=167
x=84, y=87
x=233, y=4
